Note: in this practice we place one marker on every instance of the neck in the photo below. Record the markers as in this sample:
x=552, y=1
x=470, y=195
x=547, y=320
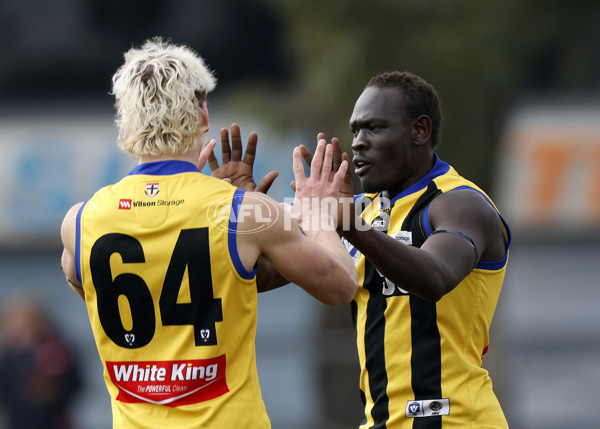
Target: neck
x=187, y=158
x=191, y=155
x=419, y=174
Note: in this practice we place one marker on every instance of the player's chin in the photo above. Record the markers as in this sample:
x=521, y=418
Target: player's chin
x=368, y=186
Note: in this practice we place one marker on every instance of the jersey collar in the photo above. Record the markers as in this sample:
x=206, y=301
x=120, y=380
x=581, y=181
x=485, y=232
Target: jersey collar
x=164, y=168
x=439, y=167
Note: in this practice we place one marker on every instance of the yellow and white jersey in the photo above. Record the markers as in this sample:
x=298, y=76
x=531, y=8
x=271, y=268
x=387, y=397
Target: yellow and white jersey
x=421, y=361
x=172, y=309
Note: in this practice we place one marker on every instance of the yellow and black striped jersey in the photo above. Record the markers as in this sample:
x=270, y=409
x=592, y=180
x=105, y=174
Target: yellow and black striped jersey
x=172, y=308
x=421, y=361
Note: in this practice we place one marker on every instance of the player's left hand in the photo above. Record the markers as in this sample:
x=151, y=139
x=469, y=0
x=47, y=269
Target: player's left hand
x=234, y=169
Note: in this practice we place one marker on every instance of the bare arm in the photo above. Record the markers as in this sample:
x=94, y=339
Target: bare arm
x=317, y=265
x=67, y=233
x=445, y=259
x=315, y=259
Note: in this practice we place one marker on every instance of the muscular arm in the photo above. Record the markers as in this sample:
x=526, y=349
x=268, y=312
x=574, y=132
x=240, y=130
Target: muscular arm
x=314, y=258
x=445, y=259
x=320, y=264
x=67, y=233
x=267, y=277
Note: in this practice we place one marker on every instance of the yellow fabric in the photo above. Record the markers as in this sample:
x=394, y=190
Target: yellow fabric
x=390, y=345
x=198, y=372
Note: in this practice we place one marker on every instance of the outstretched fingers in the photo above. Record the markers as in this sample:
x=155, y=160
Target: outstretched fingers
x=207, y=154
x=306, y=155
x=250, y=153
x=326, y=166
x=265, y=184
x=317, y=162
x=225, y=149
x=213, y=163
x=298, y=168
x=236, y=143
x=340, y=175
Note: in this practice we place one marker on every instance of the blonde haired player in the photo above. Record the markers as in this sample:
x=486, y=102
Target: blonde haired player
x=166, y=258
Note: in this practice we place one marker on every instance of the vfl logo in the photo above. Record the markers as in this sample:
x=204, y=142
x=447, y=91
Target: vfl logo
x=414, y=408
x=124, y=204
x=204, y=334
x=152, y=190
x=130, y=338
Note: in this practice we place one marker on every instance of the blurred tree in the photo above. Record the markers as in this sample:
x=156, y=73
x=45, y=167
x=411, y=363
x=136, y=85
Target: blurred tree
x=480, y=56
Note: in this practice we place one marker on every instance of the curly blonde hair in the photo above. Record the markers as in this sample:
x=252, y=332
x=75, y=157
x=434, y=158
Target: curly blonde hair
x=159, y=91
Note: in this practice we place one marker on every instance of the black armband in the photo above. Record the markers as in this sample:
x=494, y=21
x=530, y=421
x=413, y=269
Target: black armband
x=461, y=235
x=69, y=280
x=74, y=285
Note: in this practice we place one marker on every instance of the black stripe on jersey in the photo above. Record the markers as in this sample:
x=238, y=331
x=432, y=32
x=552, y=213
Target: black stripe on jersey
x=414, y=220
x=426, y=359
x=354, y=311
x=423, y=347
x=375, y=347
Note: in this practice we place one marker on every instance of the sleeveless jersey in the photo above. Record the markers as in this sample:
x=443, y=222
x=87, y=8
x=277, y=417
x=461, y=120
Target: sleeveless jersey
x=420, y=361
x=172, y=309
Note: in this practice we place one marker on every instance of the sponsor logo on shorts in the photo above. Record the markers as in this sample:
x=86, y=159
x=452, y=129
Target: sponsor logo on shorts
x=428, y=408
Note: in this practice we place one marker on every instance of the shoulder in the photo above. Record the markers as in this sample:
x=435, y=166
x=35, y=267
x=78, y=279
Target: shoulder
x=71, y=215
x=468, y=204
x=67, y=229
x=259, y=213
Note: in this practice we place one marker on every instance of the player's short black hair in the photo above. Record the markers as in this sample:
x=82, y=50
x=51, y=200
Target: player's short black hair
x=421, y=98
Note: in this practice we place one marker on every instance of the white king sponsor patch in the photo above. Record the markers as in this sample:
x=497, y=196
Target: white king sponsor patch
x=170, y=383
x=428, y=408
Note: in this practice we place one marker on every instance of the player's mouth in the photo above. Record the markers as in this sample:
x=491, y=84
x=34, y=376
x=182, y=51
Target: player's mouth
x=360, y=165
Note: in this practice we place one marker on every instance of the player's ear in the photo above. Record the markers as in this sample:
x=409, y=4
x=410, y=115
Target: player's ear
x=421, y=129
x=201, y=97
x=205, y=114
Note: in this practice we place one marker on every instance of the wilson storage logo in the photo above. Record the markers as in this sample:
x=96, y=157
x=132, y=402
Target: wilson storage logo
x=125, y=204
x=170, y=383
x=128, y=204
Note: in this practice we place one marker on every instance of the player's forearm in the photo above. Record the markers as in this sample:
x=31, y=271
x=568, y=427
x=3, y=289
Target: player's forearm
x=411, y=268
x=267, y=277
x=339, y=271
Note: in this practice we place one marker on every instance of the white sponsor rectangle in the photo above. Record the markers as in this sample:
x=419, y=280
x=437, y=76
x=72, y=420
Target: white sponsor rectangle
x=404, y=237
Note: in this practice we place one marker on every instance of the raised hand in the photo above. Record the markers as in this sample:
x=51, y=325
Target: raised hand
x=338, y=157
x=234, y=169
x=346, y=209
x=316, y=198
